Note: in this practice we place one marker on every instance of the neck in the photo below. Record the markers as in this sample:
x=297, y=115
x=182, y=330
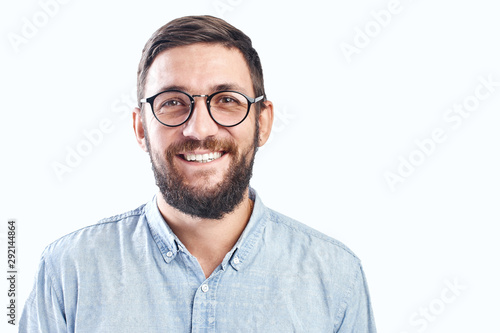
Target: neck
x=207, y=239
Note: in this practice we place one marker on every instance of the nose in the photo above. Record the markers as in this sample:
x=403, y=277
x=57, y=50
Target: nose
x=200, y=125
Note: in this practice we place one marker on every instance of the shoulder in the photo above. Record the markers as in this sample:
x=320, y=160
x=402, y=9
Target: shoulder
x=307, y=248
x=302, y=232
x=97, y=237
x=308, y=254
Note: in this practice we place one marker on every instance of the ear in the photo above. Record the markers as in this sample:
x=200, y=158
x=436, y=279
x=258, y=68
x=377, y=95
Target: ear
x=266, y=118
x=139, y=129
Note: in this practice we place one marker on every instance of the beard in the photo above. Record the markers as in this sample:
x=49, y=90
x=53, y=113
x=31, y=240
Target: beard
x=209, y=203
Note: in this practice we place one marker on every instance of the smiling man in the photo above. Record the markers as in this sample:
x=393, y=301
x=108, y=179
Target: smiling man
x=205, y=254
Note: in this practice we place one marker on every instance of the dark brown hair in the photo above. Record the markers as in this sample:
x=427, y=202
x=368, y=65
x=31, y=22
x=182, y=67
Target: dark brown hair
x=200, y=29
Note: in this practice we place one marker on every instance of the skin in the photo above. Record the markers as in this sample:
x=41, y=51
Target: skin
x=200, y=69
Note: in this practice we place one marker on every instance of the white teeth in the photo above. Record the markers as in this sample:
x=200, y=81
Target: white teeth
x=202, y=158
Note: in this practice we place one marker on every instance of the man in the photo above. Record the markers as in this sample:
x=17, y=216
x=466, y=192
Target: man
x=205, y=254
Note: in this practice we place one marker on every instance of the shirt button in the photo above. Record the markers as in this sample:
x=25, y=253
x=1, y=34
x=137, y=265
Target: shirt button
x=204, y=288
x=236, y=261
x=169, y=254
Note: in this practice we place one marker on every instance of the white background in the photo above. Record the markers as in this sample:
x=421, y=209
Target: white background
x=342, y=123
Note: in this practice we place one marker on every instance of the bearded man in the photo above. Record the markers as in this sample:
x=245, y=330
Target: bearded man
x=205, y=254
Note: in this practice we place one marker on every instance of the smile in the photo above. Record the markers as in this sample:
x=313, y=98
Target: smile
x=202, y=158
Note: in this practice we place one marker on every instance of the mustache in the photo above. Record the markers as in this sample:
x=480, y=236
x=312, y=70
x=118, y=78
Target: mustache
x=213, y=144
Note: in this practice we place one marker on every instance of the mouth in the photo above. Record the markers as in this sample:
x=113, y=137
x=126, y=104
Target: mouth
x=202, y=158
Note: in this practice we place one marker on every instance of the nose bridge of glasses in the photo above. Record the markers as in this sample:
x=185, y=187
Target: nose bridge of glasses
x=206, y=96
x=207, y=101
x=193, y=103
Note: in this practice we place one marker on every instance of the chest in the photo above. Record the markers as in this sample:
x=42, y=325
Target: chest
x=173, y=300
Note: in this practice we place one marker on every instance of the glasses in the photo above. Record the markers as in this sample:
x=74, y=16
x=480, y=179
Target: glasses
x=174, y=107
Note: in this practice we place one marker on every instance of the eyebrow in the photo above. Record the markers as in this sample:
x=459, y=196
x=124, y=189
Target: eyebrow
x=212, y=89
x=228, y=86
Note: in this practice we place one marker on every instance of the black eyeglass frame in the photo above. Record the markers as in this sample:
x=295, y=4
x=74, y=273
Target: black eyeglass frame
x=150, y=101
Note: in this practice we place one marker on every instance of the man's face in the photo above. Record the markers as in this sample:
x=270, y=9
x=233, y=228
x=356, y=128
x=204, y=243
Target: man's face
x=207, y=189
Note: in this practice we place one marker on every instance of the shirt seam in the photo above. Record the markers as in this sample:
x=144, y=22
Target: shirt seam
x=313, y=233
x=347, y=298
x=52, y=283
x=112, y=219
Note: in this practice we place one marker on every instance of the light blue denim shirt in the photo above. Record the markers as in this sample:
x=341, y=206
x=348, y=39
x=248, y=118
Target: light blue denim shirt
x=130, y=273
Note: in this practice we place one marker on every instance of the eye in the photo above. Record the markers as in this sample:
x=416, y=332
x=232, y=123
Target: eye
x=227, y=99
x=172, y=103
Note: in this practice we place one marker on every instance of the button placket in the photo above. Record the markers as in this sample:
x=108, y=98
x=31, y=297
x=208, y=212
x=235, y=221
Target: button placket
x=205, y=303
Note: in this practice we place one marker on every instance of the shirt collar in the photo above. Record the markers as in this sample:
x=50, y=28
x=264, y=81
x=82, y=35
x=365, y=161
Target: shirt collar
x=248, y=241
x=169, y=245
x=162, y=234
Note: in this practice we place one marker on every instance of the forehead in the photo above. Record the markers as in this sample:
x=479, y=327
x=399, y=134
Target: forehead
x=198, y=68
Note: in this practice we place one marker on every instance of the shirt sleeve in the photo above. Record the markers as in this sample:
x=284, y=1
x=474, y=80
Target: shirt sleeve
x=43, y=311
x=358, y=316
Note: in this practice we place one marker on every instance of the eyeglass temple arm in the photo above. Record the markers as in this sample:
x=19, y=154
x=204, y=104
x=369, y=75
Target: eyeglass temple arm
x=255, y=100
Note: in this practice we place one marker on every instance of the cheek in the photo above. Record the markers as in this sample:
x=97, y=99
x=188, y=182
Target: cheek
x=160, y=137
x=244, y=133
